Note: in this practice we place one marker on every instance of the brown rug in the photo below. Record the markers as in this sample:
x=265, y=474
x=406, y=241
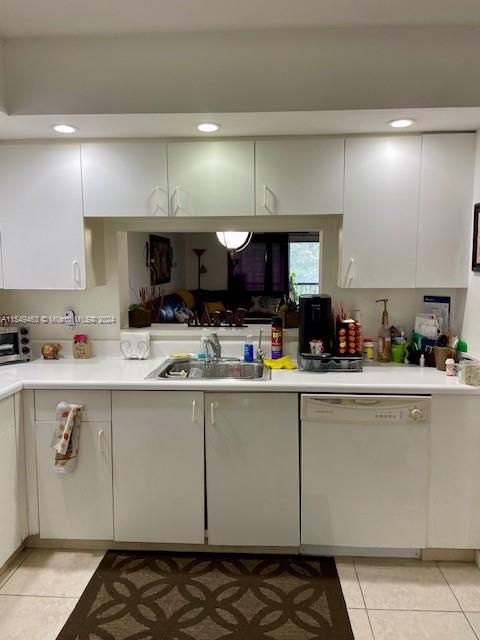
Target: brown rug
x=186, y=596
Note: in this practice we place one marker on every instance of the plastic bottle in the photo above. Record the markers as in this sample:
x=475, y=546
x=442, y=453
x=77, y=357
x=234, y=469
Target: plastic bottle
x=277, y=338
x=368, y=349
x=450, y=366
x=422, y=360
x=384, y=348
x=248, y=350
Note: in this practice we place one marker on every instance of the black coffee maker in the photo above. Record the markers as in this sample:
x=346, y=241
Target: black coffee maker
x=315, y=333
x=316, y=338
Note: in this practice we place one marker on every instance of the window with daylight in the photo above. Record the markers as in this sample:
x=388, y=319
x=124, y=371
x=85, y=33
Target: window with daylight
x=281, y=264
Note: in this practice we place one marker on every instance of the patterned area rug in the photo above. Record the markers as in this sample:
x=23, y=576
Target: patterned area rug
x=185, y=596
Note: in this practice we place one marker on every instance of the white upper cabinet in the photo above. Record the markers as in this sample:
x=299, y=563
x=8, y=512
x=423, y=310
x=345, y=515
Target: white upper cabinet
x=213, y=178
x=41, y=216
x=445, y=222
x=382, y=183
x=299, y=176
x=125, y=178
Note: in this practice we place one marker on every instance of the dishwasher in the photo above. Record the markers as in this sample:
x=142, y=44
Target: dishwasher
x=365, y=471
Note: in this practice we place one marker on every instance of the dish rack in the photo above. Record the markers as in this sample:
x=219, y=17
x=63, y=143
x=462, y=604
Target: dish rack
x=327, y=363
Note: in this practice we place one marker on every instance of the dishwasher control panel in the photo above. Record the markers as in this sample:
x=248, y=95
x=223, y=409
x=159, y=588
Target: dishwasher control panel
x=363, y=409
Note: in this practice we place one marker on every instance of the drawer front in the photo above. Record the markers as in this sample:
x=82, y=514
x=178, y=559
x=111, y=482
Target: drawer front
x=96, y=404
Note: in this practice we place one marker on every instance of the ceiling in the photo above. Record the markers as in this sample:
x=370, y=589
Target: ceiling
x=238, y=124
x=84, y=17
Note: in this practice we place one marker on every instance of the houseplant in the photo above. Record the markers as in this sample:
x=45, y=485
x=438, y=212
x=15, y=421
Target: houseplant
x=138, y=316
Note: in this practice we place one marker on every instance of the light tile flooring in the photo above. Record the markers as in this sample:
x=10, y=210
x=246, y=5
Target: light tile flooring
x=395, y=599
x=386, y=599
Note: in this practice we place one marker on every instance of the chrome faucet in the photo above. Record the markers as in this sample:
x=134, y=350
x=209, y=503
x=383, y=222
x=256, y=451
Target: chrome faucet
x=260, y=352
x=213, y=348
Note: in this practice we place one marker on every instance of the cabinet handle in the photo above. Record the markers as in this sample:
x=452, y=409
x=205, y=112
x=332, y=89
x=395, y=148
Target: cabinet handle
x=158, y=204
x=76, y=274
x=347, y=280
x=176, y=200
x=100, y=438
x=194, y=406
x=266, y=191
x=212, y=412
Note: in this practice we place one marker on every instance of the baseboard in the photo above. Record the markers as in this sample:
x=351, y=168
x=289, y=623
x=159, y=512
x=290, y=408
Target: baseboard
x=102, y=545
x=448, y=555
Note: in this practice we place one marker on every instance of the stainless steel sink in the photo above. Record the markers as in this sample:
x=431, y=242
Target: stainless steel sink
x=221, y=369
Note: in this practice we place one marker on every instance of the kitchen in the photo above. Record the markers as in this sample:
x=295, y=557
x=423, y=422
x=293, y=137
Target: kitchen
x=173, y=414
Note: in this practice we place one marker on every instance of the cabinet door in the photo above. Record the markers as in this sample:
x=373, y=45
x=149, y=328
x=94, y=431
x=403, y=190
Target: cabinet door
x=445, y=223
x=299, y=176
x=41, y=216
x=158, y=474
x=212, y=178
x=76, y=505
x=125, y=178
x=382, y=181
x=252, y=469
x=453, y=514
x=10, y=538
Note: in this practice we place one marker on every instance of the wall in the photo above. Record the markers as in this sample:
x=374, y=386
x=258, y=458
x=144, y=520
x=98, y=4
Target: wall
x=245, y=71
x=139, y=273
x=214, y=260
x=113, y=298
x=403, y=303
x=471, y=325
x=101, y=300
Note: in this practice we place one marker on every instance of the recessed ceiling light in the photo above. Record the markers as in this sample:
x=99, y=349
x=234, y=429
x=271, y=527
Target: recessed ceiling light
x=401, y=123
x=208, y=127
x=64, y=128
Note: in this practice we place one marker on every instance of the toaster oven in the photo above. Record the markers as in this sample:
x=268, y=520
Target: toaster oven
x=14, y=344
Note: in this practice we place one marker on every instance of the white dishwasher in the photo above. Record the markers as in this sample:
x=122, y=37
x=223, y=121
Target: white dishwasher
x=365, y=470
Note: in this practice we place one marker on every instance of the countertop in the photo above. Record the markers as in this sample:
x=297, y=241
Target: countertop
x=116, y=373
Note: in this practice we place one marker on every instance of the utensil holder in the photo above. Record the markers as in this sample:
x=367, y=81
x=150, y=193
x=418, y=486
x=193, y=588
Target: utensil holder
x=441, y=355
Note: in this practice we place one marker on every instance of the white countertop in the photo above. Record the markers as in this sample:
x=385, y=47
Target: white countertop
x=116, y=373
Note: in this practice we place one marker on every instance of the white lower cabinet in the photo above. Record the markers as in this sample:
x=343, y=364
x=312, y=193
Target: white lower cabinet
x=158, y=469
x=10, y=537
x=77, y=505
x=454, y=513
x=252, y=469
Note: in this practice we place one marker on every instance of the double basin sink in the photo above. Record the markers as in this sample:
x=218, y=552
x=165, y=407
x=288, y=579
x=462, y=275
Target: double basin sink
x=217, y=369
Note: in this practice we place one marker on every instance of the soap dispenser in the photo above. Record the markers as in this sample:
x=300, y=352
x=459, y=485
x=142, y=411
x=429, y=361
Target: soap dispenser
x=384, y=346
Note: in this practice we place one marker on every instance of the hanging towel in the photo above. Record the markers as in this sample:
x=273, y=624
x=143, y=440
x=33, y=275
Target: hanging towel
x=65, y=437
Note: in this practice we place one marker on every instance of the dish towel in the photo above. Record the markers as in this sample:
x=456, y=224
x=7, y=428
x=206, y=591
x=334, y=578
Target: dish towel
x=66, y=435
x=280, y=363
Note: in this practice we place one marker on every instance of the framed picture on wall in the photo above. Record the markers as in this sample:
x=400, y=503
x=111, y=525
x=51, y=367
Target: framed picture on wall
x=160, y=260
x=476, y=239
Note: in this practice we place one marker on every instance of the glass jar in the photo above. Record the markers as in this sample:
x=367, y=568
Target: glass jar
x=81, y=346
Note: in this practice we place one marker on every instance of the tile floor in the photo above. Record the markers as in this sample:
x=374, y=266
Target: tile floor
x=395, y=599
x=386, y=599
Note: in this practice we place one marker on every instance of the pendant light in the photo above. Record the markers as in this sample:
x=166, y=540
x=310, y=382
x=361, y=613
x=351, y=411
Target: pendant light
x=234, y=241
